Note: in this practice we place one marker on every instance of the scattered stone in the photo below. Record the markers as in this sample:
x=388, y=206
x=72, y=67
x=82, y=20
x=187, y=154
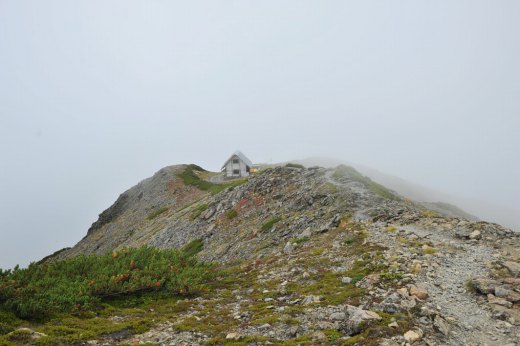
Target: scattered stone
x=513, y=267
x=305, y=234
x=419, y=292
x=319, y=336
x=411, y=336
x=507, y=294
x=233, y=336
x=346, y=280
x=356, y=316
x=475, y=234
x=485, y=286
x=310, y=299
x=338, y=316
x=289, y=247
x=499, y=301
x=393, y=325
x=441, y=325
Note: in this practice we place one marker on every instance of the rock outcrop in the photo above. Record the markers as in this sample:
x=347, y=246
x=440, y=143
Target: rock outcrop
x=326, y=255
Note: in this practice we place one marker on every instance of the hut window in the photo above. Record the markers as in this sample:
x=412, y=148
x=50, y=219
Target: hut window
x=236, y=172
x=235, y=160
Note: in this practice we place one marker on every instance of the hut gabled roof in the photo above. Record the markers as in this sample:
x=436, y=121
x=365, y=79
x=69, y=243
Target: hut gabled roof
x=241, y=157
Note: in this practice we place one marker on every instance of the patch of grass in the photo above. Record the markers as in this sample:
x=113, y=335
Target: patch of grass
x=68, y=330
x=8, y=322
x=20, y=337
x=294, y=165
x=354, y=340
x=332, y=334
x=429, y=250
x=197, y=211
x=190, y=177
x=266, y=226
x=193, y=247
x=231, y=214
x=470, y=286
x=328, y=285
x=267, y=319
x=349, y=241
x=243, y=341
x=298, y=241
x=428, y=213
x=214, y=321
x=318, y=251
x=356, y=278
x=387, y=276
x=391, y=229
x=195, y=167
x=349, y=172
x=156, y=213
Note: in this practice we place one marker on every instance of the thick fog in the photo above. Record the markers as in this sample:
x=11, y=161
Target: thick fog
x=98, y=95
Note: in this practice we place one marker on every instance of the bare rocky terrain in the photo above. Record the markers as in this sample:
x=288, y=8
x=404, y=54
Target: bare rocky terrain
x=318, y=256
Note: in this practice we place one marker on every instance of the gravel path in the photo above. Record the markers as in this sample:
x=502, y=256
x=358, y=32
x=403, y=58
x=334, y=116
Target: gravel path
x=472, y=323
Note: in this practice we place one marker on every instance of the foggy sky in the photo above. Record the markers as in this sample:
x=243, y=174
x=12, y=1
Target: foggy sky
x=98, y=95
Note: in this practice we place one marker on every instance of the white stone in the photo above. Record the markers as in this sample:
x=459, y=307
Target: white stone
x=411, y=336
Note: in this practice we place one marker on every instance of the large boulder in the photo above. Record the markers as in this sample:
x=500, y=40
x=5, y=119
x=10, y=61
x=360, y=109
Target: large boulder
x=355, y=316
x=485, y=286
x=513, y=267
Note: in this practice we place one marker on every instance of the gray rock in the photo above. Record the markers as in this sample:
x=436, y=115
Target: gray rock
x=475, y=234
x=289, y=247
x=441, y=325
x=310, y=299
x=346, y=280
x=338, y=316
x=513, y=267
x=485, y=286
x=356, y=316
x=499, y=301
x=305, y=233
x=507, y=294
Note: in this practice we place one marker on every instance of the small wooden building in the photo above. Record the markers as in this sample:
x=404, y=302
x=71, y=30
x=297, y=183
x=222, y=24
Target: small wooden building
x=238, y=165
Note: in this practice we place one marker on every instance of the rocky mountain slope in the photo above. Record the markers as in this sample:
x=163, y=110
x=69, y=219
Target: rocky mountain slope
x=318, y=256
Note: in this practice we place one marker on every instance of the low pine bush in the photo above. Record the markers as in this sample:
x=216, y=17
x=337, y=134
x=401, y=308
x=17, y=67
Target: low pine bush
x=80, y=283
x=266, y=226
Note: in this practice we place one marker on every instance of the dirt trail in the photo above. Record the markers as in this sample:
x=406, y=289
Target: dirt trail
x=472, y=324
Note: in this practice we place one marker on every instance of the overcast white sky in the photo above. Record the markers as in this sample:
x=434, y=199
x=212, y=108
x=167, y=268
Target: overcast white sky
x=97, y=95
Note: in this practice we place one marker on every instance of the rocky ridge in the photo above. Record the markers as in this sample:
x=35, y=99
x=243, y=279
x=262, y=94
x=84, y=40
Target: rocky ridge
x=321, y=256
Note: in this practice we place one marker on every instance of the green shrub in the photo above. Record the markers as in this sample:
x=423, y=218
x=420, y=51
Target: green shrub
x=193, y=247
x=231, y=214
x=156, y=213
x=391, y=276
x=8, y=322
x=357, y=278
x=349, y=241
x=197, y=211
x=80, y=283
x=266, y=226
x=56, y=253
